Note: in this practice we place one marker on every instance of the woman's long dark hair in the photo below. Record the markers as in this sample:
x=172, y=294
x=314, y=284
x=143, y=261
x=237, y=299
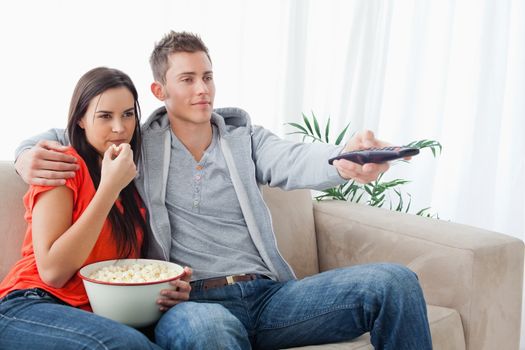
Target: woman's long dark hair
x=125, y=223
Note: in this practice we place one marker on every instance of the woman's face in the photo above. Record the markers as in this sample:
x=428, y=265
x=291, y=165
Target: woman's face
x=110, y=119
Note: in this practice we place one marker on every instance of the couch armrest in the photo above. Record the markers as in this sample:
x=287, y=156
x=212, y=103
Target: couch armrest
x=12, y=223
x=477, y=272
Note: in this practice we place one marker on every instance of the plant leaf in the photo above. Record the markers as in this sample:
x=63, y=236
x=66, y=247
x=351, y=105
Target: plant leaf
x=422, y=211
x=341, y=135
x=307, y=123
x=327, y=131
x=432, y=144
x=316, y=126
x=297, y=126
x=297, y=132
x=409, y=202
x=400, y=202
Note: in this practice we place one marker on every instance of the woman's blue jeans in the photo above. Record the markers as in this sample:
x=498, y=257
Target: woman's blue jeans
x=34, y=319
x=383, y=299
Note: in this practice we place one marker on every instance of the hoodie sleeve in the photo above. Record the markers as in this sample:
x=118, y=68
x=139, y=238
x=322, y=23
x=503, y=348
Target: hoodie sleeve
x=293, y=165
x=51, y=135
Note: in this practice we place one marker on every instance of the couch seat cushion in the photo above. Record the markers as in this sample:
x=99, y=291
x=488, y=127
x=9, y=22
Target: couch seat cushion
x=445, y=326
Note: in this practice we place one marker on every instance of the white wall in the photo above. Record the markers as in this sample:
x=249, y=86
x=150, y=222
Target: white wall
x=47, y=45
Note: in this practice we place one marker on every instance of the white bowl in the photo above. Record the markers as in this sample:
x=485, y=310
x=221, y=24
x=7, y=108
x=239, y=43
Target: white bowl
x=133, y=304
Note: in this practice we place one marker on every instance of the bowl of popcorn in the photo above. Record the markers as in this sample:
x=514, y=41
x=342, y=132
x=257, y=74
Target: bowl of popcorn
x=126, y=290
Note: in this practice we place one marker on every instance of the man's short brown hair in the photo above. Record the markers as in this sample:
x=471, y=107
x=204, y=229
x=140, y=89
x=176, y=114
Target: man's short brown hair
x=173, y=42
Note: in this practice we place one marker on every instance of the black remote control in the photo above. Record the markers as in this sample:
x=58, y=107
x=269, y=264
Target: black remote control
x=377, y=155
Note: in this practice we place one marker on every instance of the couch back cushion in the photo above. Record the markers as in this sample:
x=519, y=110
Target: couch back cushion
x=12, y=223
x=293, y=222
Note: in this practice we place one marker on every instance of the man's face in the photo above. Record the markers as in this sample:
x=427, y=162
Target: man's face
x=189, y=90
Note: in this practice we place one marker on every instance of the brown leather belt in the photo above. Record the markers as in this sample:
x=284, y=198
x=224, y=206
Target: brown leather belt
x=219, y=282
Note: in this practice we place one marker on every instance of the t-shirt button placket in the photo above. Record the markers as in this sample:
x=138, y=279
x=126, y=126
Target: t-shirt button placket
x=197, y=178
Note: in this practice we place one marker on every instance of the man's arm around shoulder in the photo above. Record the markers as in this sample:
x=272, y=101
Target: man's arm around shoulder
x=40, y=160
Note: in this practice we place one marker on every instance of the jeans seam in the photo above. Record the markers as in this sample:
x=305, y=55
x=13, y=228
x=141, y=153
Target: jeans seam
x=312, y=316
x=55, y=327
x=243, y=303
x=245, y=307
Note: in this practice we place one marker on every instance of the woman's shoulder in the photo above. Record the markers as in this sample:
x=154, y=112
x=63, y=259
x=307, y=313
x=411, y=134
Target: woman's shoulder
x=80, y=161
x=73, y=152
x=76, y=183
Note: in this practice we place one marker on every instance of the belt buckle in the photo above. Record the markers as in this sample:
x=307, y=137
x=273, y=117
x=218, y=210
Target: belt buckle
x=229, y=280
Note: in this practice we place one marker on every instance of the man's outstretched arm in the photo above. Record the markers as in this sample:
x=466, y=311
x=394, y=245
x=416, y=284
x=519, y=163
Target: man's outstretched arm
x=41, y=161
x=292, y=165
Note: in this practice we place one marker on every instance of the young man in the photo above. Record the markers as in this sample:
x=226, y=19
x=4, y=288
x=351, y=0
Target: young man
x=199, y=178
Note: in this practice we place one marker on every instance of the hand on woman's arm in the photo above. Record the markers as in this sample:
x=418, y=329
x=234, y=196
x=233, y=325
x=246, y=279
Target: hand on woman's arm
x=45, y=164
x=61, y=247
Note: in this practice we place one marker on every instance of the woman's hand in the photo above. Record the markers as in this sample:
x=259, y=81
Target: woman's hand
x=118, y=167
x=179, y=293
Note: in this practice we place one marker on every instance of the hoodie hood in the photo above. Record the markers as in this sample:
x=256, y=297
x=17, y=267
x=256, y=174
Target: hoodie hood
x=226, y=119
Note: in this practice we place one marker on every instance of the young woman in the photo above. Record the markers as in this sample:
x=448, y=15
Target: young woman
x=97, y=215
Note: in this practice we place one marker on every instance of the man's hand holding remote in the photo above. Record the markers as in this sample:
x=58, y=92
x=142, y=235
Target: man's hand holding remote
x=361, y=173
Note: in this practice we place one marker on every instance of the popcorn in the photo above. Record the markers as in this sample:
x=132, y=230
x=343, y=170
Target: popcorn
x=133, y=273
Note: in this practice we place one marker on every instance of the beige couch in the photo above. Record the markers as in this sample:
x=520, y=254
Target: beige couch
x=472, y=278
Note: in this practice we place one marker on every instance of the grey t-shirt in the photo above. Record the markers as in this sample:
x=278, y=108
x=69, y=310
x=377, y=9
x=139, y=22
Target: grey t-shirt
x=209, y=233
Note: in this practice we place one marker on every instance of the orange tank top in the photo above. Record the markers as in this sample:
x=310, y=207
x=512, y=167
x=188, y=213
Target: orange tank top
x=24, y=274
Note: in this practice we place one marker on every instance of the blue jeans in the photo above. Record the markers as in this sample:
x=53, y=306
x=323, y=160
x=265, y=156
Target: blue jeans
x=34, y=319
x=383, y=299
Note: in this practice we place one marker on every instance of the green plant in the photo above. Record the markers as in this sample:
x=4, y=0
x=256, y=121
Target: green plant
x=379, y=193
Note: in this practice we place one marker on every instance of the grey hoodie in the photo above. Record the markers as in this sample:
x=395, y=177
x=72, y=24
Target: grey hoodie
x=254, y=157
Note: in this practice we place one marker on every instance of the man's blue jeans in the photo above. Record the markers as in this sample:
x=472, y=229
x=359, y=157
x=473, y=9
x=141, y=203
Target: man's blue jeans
x=34, y=319
x=383, y=299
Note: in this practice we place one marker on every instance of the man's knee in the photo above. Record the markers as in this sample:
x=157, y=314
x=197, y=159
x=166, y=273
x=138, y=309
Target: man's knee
x=397, y=282
x=398, y=277
x=192, y=325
